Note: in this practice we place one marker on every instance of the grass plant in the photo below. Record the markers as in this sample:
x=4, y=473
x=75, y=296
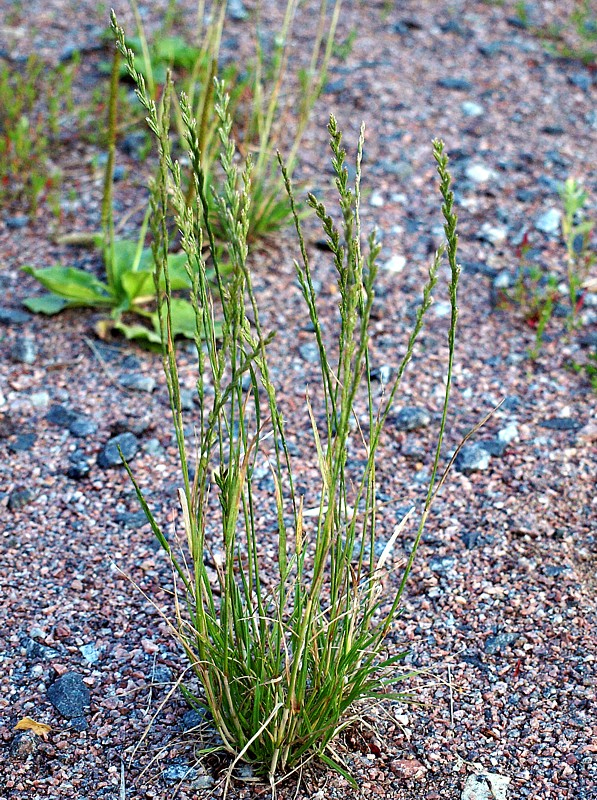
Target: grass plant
x=35, y=100
x=283, y=651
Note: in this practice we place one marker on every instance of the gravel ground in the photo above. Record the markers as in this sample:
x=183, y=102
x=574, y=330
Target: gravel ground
x=500, y=614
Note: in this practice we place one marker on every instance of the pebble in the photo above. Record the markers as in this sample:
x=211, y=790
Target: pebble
x=377, y=200
x=24, y=351
x=496, y=644
x=471, y=109
x=61, y=416
x=310, y=352
x=508, y=434
x=455, y=84
x=17, y=222
x=194, y=718
x=560, y=424
x=79, y=466
x=82, y=426
x=203, y=782
x=179, y=770
x=19, y=499
x=109, y=455
x=472, y=458
x=40, y=399
x=549, y=222
x=23, y=745
x=479, y=173
x=23, y=442
x=12, y=316
x=69, y=695
x=90, y=653
x=395, y=264
x=485, y=786
x=492, y=233
x=411, y=418
x=138, y=382
x=236, y=10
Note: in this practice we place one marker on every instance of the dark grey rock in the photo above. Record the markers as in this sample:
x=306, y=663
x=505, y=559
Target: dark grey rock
x=110, y=457
x=17, y=222
x=23, y=746
x=310, y=352
x=12, y=316
x=69, y=695
x=7, y=426
x=161, y=674
x=82, y=427
x=496, y=644
x=119, y=172
x=61, y=416
x=23, y=442
x=470, y=539
x=472, y=458
x=133, y=143
x=194, y=718
x=560, y=424
x=131, y=519
x=79, y=466
x=442, y=563
x=455, y=84
x=411, y=418
x=24, y=351
x=179, y=770
x=138, y=382
x=39, y=651
x=236, y=10
x=495, y=447
x=582, y=80
x=20, y=499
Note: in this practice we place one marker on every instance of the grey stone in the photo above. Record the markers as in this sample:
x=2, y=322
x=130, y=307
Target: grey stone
x=549, y=222
x=79, y=466
x=109, y=455
x=82, y=426
x=411, y=418
x=236, y=10
x=179, y=770
x=61, y=416
x=17, y=222
x=203, y=782
x=23, y=746
x=90, y=653
x=442, y=564
x=131, y=519
x=20, y=499
x=498, y=643
x=194, y=718
x=40, y=399
x=23, y=442
x=24, y=351
x=472, y=458
x=69, y=695
x=138, y=382
x=12, y=316
x=479, y=173
x=560, y=424
x=455, y=84
x=471, y=109
x=309, y=352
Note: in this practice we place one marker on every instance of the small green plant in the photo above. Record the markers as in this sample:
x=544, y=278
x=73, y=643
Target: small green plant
x=576, y=232
x=34, y=101
x=576, y=38
x=128, y=288
x=283, y=651
x=588, y=367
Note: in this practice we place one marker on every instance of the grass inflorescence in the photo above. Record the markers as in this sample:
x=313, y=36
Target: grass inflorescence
x=283, y=651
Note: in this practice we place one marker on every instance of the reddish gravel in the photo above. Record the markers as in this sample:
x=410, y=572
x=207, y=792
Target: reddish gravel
x=501, y=612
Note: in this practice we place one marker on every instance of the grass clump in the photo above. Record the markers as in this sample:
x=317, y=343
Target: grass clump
x=35, y=101
x=283, y=651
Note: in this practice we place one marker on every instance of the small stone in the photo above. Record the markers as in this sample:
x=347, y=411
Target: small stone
x=472, y=109
x=79, y=466
x=479, y=173
x=61, y=416
x=455, y=84
x=11, y=316
x=17, y=222
x=492, y=233
x=153, y=447
x=549, y=222
x=40, y=399
x=588, y=434
x=90, y=653
x=496, y=644
x=195, y=718
x=187, y=399
x=485, y=786
x=377, y=200
x=470, y=539
x=442, y=564
x=69, y=695
x=131, y=519
x=408, y=768
x=502, y=281
x=582, y=80
x=203, y=782
x=395, y=264
x=19, y=499
x=310, y=352
x=411, y=418
x=560, y=424
x=161, y=675
x=24, y=351
x=179, y=770
x=472, y=458
x=23, y=442
x=236, y=10
x=442, y=308
x=82, y=426
x=383, y=373
x=508, y=434
x=110, y=457
x=138, y=382
x=23, y=745
x=7, y=426
x=495, y=447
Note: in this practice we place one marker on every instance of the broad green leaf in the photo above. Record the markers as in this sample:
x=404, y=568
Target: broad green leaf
x=48, y=304
x=138, y=285
x=137, y=331
x=174, y=50
x=75, y=284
